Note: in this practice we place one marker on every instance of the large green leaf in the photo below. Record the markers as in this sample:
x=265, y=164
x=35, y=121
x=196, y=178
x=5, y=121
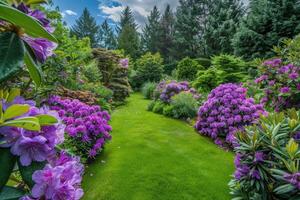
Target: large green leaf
x=7, y=161
x=11, y=193
x=34, y=70
x=46, y=120
x=32, y=26
x=26, y=172
x=15, y=110
x=11, y=54
x=29, y=123
x=28, y=2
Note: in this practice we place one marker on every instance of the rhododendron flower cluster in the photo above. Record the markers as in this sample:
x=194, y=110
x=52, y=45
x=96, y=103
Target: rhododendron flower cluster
x=86, y=125
x=41, y=47
x=226, y=111
x=280, y=83
x=60, y=179
x=124, y=63
x=32, y=145
x=168, y=90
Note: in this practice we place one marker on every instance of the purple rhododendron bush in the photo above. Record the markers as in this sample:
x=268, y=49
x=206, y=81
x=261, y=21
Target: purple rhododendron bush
x=87, y=126
x=29, y=137
x=267, y=159
x=226, y=111
x=280, y=83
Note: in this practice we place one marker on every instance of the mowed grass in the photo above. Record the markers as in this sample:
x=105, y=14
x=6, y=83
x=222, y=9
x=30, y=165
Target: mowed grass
x=152, y=157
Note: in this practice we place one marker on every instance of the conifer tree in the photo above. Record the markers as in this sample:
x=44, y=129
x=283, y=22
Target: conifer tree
x=128, y=38
x=267, y=24
x=107, y=36
x=150, y=36
x=166, y=35
x=86, y=26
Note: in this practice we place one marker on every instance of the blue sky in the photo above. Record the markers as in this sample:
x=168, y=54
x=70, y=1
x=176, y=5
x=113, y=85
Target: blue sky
x=110, y=9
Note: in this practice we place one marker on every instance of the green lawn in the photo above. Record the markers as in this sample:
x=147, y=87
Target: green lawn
x=152, y=157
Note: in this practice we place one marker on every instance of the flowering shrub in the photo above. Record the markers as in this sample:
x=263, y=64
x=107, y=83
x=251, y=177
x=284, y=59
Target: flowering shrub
x=280, y=84
x=168, y=90
x=226, y=111
x=267, y=159
x=87, y=126
x=60, y=179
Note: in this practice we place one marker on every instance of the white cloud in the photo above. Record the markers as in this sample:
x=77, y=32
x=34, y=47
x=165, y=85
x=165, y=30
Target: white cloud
x=140, y=8
x=68, y=12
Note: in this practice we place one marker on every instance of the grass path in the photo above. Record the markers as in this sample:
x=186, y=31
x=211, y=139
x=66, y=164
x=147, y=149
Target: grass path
x=156, y=158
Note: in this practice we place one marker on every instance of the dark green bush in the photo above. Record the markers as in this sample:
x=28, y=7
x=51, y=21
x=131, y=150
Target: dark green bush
x=149, y=68
x=184, y=106
x=207, y=80
x=187, y=69
x=205, y=62
x=168, y=111
x=168, y=68
x=158, y=107
x=151, y=106
x=148, y=90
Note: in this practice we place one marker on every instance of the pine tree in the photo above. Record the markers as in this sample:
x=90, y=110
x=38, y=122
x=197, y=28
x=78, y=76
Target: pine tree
x=267, y=24
x=107, y=36
x=222, y=23
x=150, y=36
x=166, y=35
x=189, y=28
x=128, y=38
x=86, y=26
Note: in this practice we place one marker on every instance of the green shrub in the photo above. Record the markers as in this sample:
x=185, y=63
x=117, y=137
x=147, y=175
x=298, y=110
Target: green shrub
x=158, y=107
x=168, y=111
x=168, y=68
x=184, y=106
x=267, y=159
x=289, y=50
x=149, y=68
x=187, y=69
x=233, y=69
x=205, y=62
x=207, y=80
x=151, y=106
x=148, y=90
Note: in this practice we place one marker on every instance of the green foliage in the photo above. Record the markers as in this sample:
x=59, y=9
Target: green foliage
x=168, y=111
x=169, y=68
x=149, y=69
x=128, y=38
x=222, y=24
x=187, y=69
x=26, y=172
x=107, y=37
x=12, y=52
x=150, y=36
x=7, y=164
x=184, y=106
x=289, y=50
x=233, y=68
x=151, y=105
x=86, y=26
x=276, y=140
x=11, y=193
x=268, y=23
x=205, y=62
x=207, y=80
x=148, y=90
x=158, y=107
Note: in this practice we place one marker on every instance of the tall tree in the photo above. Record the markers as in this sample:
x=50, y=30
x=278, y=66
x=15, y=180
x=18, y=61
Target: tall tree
x=107, y=36
x=267, y=24
x=86, y=26
x=150, y=36
x=222, y=23
x=128, y=38
x=190, y=25
x=166, y=35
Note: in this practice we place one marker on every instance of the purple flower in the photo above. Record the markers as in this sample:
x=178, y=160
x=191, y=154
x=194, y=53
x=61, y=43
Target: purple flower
x=59, y=180
x=293, y=179
x=124, y=63
x=285, y=90
x=31, y=149
x=41, y=47
x=255, y=174
x=259, y=157
x=293, y=75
